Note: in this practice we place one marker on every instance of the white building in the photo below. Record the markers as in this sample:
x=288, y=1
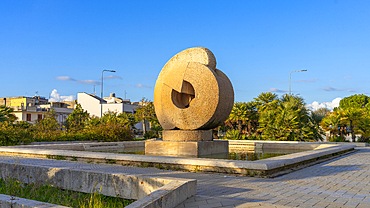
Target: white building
x=96, y=106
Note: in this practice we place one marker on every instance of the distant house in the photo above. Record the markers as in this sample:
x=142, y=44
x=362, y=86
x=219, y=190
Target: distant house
x=33, y=109
x=96, y=106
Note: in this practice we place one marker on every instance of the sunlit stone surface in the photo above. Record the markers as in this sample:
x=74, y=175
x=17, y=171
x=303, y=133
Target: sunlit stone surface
x=191, y=97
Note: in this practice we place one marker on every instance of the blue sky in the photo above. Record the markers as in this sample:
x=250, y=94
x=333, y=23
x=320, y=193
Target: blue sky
x=64, y=45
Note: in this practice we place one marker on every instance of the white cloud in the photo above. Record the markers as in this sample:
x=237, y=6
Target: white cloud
x=277, y=90
x=139, y=85
x=65, y=78
x=329, y=105
x=56, y=97
x=89, y=81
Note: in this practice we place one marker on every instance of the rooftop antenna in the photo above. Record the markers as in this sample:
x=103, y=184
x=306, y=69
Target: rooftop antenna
x=125, y=94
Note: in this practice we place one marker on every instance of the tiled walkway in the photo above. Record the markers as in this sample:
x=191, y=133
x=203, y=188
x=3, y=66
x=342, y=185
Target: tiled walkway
x=340, y=182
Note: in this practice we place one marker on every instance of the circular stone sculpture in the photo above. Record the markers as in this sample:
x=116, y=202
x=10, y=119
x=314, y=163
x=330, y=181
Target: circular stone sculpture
x=191, y=94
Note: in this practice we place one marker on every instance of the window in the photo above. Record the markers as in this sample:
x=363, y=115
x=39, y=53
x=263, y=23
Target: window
x=39, y=117
x=28, y=117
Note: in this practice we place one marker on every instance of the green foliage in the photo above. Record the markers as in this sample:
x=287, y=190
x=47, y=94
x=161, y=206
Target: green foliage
x=319, y=114
x=48, y=128
x=351, y=117
x=6, y=114
x=356, y=101
x=287, y=119
x=76, y=121
x=244, y=116
x=271, y=118
x=234, y=134
x=19, y=133
x=363, y=128
x=111, y=127
x=146, y=114
x=150, y=134
x=337, y=139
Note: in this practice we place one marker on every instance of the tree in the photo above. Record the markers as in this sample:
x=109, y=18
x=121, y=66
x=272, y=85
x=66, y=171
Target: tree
x=127, y=119
x=351, y=117
x=146, y=114
x=354, y=101
x=265, y=98
x=6, y=114
x=319, y=114
x=238, y=115
x=48, y=127
x=243, y=118
x=76, y=121
x=286, y=119
x=110, y=127
x=364, y=127
x=352, y=110
x=330, y=123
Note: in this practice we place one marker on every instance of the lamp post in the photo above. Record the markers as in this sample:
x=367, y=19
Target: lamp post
x=101, y=90
x=290, y=79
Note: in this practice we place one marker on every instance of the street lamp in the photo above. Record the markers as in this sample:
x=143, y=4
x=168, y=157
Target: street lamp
x=101, y=90
x=290, y=79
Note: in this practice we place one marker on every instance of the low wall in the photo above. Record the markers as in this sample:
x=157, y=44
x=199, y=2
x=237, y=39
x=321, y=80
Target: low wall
x=7, y=201
x=260, y=168
x=255, y=145
x=91, y=146
x=148, y=191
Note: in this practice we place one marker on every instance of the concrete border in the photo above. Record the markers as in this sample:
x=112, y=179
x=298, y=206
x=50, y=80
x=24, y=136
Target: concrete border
x=7, y=201
x=262, y=168
x=149, y=191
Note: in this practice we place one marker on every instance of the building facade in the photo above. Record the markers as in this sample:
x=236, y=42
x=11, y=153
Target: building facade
x=33, y=109
x=96, y=106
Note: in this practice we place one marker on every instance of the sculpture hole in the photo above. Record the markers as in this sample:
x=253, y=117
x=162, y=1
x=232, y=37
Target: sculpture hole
x=183, y=99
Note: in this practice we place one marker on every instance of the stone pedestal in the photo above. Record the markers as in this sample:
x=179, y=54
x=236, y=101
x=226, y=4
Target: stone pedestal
x=187, y=149
x=189, y=143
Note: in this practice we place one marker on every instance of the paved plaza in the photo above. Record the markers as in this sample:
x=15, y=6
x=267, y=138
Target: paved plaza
x=340, y=182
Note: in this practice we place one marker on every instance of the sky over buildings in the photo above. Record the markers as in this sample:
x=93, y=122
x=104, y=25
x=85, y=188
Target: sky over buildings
x=58, y=48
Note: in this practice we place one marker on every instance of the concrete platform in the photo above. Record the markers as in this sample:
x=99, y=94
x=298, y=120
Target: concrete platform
x=148, y=191
x=340, y=182
x=262, y=168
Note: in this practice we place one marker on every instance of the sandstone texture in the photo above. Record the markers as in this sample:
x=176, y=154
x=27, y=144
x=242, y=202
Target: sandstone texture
x=187, y=135
x=191, y=93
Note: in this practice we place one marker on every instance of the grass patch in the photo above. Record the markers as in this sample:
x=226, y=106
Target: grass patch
x=50, y=194
x=56, y=157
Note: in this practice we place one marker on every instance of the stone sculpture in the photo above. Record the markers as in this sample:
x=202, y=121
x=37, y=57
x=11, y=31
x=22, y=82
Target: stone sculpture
x=192, y=96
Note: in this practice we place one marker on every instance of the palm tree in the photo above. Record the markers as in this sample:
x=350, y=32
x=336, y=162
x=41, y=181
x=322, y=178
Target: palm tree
x=238, y=114
x=351, y=116
x=266, y=100
x=331, y=122
x=265, y=97
x=286, y=119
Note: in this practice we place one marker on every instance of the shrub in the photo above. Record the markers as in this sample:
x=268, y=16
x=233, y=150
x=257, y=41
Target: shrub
x=234, y=134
